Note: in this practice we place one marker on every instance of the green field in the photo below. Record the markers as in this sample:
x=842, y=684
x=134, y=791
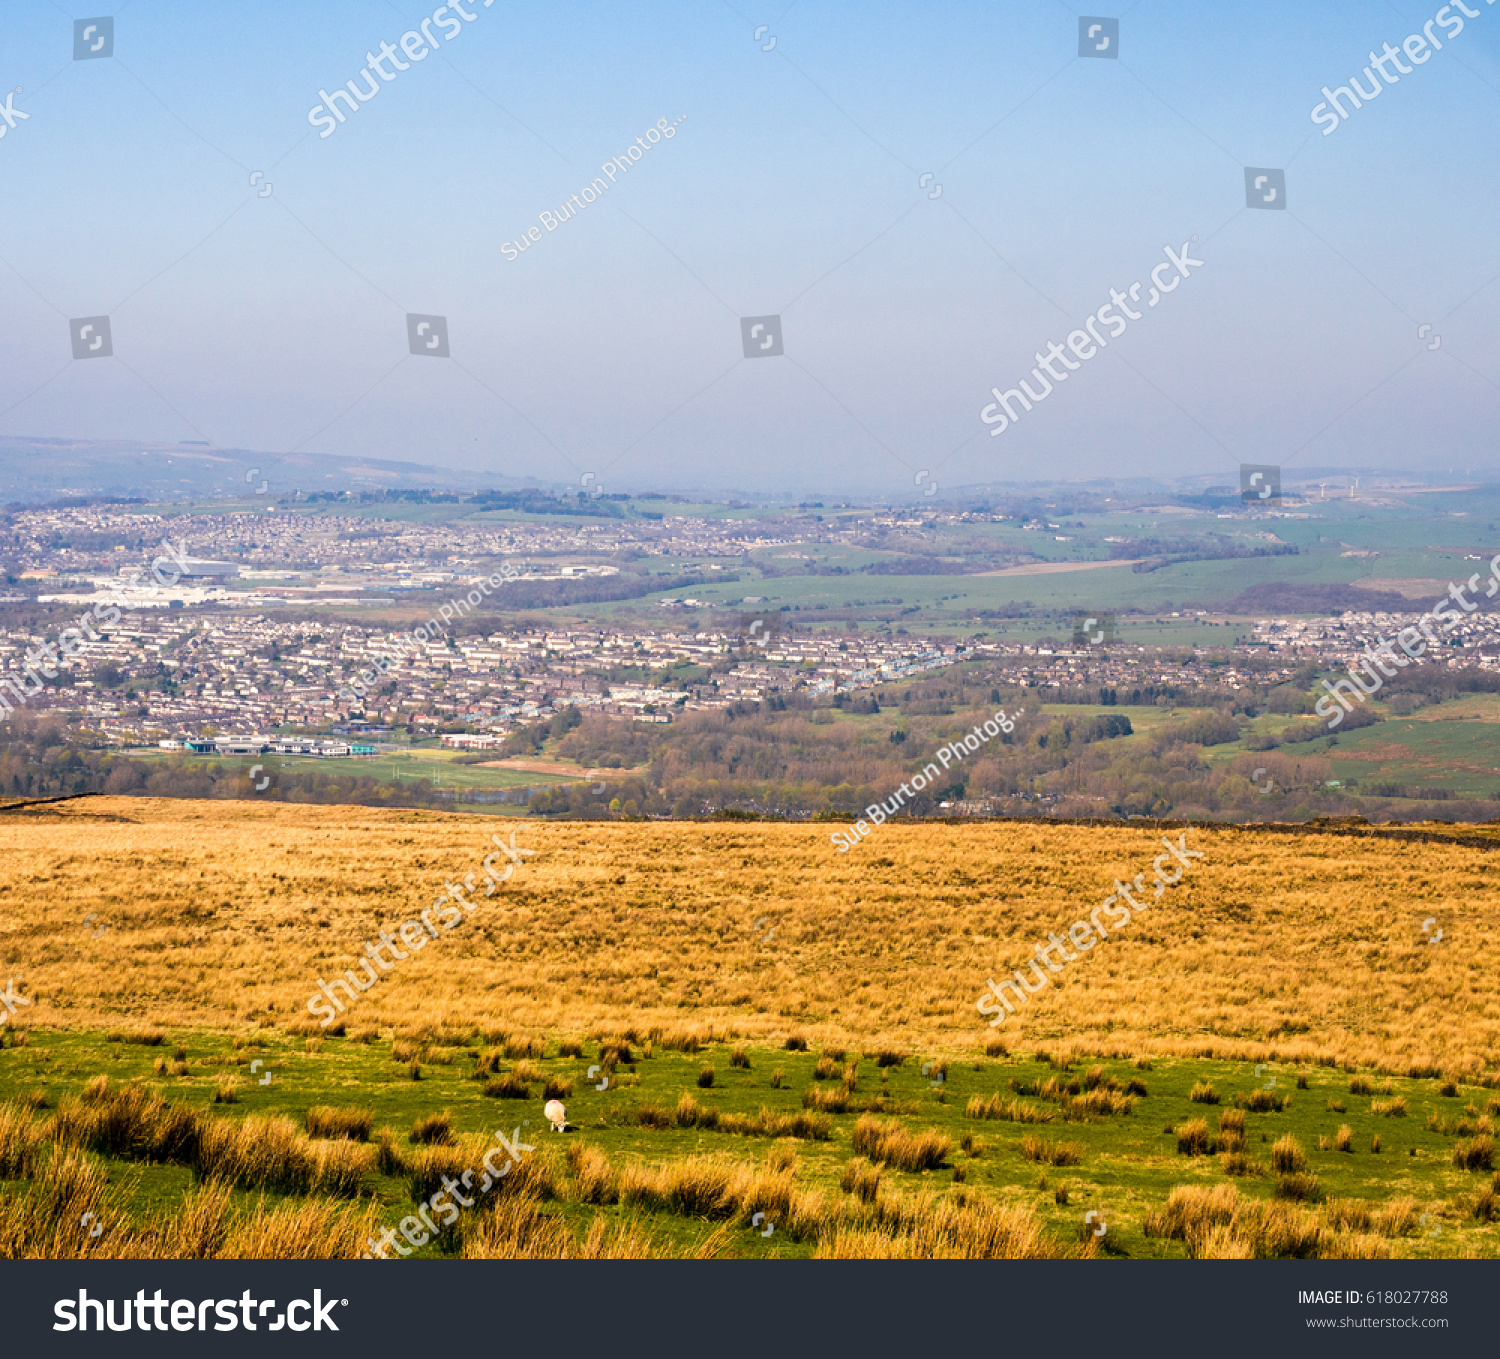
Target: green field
x=1128, y=1162
x=1453, y=746
x=434, y=766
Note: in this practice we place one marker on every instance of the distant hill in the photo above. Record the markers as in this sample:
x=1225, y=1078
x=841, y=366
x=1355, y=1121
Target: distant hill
x=45, y=469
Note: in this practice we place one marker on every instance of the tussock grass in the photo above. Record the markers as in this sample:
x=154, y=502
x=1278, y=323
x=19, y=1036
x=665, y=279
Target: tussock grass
x=506, y=1087
x=690, y=1114
x=1300, y=1186
x=1096, y=1103
x=352, y=1124
x=426, y=1167
x=679, y=1040
x=1203, y=1093
x=149, y=1038
x=841, y=1100
x=1287, y=1156
x=1012, y=1111
x=1262, y=1101
x=432, y=1130
x=717, y=1187
x=515, y=1227
x=862, y=1179
x=1080, y=1101
x=834, y=1101
x=1476, y=1154
x=312, y=1229
x=268, y=1153
x=594, y=1179
x=22, y=1138
x=897, y=1146
x=488, y=1063
x=1051, y=1153
x=131, y=1122
x=767, y=1123
x=929, y=1228
x=524, y=1045
x=1193, y=1138
x=1218, y=1223
x=47, y=1222
x=388, y=1157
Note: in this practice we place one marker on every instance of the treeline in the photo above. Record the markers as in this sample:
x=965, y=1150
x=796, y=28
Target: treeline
x=1151, y=554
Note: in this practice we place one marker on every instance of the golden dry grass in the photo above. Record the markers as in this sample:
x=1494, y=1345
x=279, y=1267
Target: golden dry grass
x=1218, y=1223
x=1277, y=948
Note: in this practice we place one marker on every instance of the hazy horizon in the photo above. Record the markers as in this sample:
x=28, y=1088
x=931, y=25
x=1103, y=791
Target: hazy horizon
x=793, y=186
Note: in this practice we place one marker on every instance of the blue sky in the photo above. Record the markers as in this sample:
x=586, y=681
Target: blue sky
x=793, y=186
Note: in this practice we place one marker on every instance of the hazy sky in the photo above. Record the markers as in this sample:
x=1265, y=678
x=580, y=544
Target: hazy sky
x=796, y=184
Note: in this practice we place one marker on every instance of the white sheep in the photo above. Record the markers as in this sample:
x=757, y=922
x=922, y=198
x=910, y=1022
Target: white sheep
x=556, y=1115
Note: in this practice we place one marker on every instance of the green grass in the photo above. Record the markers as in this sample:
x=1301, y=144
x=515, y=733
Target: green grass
x=1453, y=746
x=1129, y=1162
x=437, y=768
